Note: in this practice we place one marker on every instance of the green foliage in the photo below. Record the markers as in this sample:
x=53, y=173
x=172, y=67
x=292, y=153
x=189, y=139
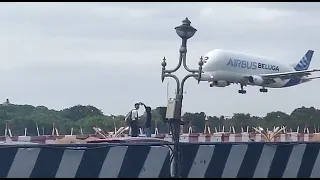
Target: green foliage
x=86, y=117
x=78, y=112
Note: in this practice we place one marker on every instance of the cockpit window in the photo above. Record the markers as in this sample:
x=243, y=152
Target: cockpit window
x=205, y=59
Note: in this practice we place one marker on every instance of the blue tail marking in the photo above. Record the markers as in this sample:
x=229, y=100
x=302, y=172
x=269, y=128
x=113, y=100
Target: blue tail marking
x=305, y=61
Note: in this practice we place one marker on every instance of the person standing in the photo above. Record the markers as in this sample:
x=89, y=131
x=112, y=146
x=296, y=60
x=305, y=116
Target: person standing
x=134, y=120
x=147, y=124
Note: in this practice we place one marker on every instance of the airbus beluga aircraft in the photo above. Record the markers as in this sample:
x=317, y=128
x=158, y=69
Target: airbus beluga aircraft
x=223, y=67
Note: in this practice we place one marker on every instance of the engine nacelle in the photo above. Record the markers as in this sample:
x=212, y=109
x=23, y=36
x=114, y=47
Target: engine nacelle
x=256, y=80
x=221, y=83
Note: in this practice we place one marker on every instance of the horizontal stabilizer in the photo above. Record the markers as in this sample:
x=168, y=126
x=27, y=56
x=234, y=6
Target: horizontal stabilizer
x=313, y=78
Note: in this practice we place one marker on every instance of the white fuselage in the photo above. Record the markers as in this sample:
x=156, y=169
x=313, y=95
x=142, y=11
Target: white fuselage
x=224, y=65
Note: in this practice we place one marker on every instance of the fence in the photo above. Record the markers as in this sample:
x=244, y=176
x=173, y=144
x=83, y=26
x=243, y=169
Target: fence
x=215, y=137
x=212, y=160
x=220, y=135
x=240, y=137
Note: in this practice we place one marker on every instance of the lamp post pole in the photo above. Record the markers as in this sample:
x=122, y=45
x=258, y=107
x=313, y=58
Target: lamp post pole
x=185, y=32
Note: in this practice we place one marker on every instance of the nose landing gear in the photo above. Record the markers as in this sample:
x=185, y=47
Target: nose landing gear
x=242, y=91
x=263, y=90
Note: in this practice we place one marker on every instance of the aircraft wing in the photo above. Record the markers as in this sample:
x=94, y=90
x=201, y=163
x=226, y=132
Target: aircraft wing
x=287, y=75
x=313, y=78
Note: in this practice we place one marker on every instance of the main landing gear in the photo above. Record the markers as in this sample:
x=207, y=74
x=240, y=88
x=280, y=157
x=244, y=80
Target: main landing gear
x=263, y=90
x=242, y=91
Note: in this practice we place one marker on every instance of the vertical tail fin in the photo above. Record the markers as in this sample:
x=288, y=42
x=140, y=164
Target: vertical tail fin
x=305, y=61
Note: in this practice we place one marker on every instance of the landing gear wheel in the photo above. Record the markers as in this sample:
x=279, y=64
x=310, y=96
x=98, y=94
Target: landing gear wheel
x=211, y=85
x=263, y=90
x=242, y=91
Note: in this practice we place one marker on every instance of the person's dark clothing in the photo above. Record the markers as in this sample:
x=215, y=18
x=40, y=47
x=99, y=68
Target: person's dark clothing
x=148, y=120
x=134, y=128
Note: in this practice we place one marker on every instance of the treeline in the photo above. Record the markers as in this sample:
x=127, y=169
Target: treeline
x=86, y=117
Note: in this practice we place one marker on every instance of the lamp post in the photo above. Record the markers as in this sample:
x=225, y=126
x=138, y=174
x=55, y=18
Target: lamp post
x=185, y=32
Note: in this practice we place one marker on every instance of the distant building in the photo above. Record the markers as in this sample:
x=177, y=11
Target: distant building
x=6, y=103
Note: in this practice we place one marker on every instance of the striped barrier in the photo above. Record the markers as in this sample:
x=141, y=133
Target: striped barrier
x=199, y=160
x=250, y=160
x=84, y=161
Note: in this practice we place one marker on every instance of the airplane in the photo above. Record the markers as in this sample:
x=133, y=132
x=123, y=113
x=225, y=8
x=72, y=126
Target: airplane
x=224, y=67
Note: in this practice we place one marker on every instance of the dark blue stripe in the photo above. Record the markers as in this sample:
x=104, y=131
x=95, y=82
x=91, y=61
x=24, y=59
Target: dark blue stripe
x=165, y=171
x=133, y=161
x=280, y=160
x=7, y=155
x=250, y=160
x=48, y=162
x=292, y=82
x=218, y=161
x=92, y=162
x=188, y=154
x=309, y=158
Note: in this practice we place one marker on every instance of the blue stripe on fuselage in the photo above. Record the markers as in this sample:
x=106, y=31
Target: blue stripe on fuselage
x=292, y=82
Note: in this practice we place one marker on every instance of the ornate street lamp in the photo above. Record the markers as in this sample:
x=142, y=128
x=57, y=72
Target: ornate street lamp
x=185, y=32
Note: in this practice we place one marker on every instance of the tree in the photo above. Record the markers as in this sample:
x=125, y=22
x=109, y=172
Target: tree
x=78, y=112
x=86, y=117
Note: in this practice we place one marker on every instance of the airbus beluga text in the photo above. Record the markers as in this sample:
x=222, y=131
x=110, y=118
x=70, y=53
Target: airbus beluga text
x=222, y=68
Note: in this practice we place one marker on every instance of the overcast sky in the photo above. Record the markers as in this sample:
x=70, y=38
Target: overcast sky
x=109, y=54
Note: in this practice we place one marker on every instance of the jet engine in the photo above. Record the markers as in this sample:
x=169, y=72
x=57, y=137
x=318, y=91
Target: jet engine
x=220, y=83
x=256, y=80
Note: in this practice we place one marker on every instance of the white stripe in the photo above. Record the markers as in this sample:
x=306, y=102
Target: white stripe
x=234, y=161
x=303, y=63
x=315, y=171
x=23, y=163
x=154, y=162
x=71, y=136
x=113, y=162
x=304, y=59
x=202, y=138
x=24, y=138
x=201, y=161
x=294, y=162
x=265, y=161
x=69, y=163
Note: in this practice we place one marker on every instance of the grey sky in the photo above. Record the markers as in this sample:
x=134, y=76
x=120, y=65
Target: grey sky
x=109, y=54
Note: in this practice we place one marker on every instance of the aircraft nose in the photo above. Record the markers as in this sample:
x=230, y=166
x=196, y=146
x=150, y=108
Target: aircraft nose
x=205, y=66
x=204, y=77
